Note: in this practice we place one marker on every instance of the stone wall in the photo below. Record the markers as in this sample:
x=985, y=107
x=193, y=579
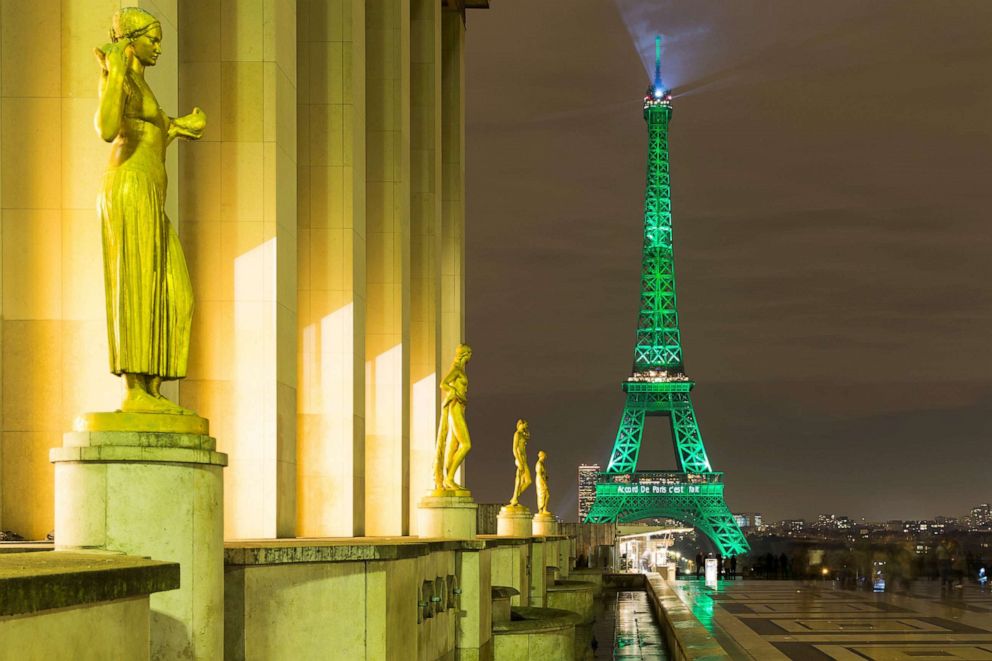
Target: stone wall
x=589, y=537
x=361, y=599
x=73, y=605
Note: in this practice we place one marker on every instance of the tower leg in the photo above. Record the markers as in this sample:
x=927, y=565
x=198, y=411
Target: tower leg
x=714, y=519
x=689, y=449
x=628, y=443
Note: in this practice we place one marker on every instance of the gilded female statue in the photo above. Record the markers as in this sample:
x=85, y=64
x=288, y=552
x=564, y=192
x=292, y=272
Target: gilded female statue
x=522, y=479
x=453, y=441
x=149, y=297
x=541, y=473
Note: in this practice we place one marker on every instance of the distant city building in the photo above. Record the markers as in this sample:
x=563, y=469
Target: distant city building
x=587, y=488
x=793, y=526
x=980, y=517
x=749, y=520
x=833, y=522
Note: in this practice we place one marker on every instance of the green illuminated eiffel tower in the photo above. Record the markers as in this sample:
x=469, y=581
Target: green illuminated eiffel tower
x=658, y=385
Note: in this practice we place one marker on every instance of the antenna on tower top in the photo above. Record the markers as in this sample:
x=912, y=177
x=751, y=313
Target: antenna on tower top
x=657, y=95
x=657, y=62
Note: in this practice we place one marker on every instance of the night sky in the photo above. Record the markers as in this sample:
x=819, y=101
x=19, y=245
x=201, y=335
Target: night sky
x=832, y=181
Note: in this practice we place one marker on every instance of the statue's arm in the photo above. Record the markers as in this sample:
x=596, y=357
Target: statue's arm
x=114, y=62
x=189, y=126
x=455, y=383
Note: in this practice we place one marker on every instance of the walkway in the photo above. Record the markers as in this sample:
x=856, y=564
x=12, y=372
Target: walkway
x=814, y=621
x=626, y=628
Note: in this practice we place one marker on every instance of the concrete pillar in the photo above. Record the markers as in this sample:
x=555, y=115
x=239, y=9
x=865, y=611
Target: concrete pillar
x=238, y=200
x=425, y=242
x=474, y=636
x=160, y=500
x=452, y=183
x=53, y=363
x=331, y=183
x=387, y=330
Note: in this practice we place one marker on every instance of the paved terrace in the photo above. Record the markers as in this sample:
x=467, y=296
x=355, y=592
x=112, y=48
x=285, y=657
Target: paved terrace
x=815, y=621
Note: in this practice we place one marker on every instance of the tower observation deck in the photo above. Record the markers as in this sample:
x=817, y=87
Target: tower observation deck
x=658, y=384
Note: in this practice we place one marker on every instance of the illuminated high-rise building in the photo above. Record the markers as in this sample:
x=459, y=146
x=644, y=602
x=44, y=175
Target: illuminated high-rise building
x=587, y=488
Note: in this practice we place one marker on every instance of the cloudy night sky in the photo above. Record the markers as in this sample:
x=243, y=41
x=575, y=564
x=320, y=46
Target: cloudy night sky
x=831, y=188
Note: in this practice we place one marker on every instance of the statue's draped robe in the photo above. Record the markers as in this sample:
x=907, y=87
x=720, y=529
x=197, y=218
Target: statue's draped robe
x=149, y=296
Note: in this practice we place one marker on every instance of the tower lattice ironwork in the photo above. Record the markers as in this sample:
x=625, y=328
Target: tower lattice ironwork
x=658, y=385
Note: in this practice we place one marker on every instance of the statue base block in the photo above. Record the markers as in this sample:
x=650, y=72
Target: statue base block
x=514, y=521
x=545, y=524
x=141, y=422
x=156, y=494
x=447, y=517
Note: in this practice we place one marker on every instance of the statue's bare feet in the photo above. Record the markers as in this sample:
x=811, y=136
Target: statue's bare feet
x=172, y=407
x=139, y=401
x=153, y=385
x=451, y=485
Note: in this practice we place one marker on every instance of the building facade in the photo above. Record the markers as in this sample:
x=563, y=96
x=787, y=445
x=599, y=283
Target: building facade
x=322, y=217
x=587, y=488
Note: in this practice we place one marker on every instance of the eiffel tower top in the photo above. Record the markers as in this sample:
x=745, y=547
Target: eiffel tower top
x=657, y=95
x=658, y=345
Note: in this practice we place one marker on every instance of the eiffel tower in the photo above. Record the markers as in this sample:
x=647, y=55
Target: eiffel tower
x=658, y=385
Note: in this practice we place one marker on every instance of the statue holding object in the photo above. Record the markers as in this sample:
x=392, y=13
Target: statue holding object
x=148, y=292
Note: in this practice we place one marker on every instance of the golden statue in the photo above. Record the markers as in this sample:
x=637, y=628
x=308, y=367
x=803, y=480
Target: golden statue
x=522, y=479
x=149, y=297
x=541, y=473
x=453, y=441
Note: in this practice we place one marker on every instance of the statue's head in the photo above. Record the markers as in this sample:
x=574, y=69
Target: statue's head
x=541, y=456
x=141, y=30
x=463, y=352
x=522, y=425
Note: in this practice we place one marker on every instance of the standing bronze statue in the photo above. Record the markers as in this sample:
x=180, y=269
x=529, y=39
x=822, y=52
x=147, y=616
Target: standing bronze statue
x=149, y=296
x=453, y=441
x=522, y=479
x=541, y=474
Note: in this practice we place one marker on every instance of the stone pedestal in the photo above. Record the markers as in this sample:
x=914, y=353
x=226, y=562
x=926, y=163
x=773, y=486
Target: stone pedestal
x=157, y=494
x=514, y=521
x=447, y=516
x=545, y=524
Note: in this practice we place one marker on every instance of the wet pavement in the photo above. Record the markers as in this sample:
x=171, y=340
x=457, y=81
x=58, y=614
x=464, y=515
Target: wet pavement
x=625, y=628
x=816, y=621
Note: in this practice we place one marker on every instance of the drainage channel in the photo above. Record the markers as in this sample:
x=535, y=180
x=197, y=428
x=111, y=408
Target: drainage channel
x=625, y=628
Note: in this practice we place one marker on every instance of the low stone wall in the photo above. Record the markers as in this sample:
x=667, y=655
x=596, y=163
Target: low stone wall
x=575, y=596
x=625, y=581
x=79, y=605
x=593, y=576
x=374, y=598
x=685, y=636
x=538, y=634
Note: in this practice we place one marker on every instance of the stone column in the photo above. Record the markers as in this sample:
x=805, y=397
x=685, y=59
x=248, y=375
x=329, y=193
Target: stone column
x=53, y=362
x=425, y=242
x=474, y=634
x=538, y=577
x=331, y=154
x=387, y=330
x=154, y=494
x=452, y=182
x=238, y=201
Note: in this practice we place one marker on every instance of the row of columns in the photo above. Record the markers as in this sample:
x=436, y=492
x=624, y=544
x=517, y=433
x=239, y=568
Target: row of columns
x=322, y=218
